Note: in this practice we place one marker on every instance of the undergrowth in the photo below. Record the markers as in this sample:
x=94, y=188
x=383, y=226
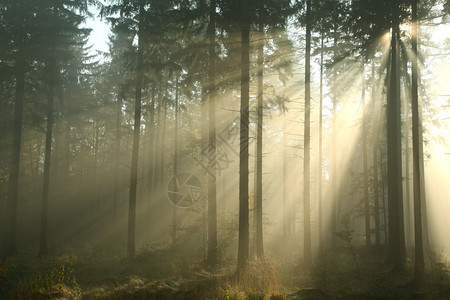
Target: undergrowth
x=56, y=281
x=260, y=281
x=167, y=273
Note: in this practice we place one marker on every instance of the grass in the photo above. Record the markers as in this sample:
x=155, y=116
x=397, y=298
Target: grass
x=170, y=273
x=44, y=280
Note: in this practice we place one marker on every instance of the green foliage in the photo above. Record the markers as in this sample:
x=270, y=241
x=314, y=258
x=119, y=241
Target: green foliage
x=440, y=269
x=346, y=235
x=230, y=292
x=58, y=279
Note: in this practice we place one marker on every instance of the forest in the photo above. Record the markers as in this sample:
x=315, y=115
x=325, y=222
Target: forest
x=225, y=149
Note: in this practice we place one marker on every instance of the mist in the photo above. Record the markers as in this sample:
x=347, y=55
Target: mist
x=224, y=149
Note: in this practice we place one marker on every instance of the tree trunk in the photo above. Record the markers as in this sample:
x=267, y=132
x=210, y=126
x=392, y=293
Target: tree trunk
x=243, y=241
x=163, y=138
x=407, y=202
x=204, y=132
x=151, y=151
x=408, y=206
x=334, y=190
x=321, y=146
x=375, y=130
x=158, y=148
x=162, y=142
x=131, y=242
x=94, y=183
x=394, y=153
x=383, y=170
x=13, y=184
x=255, y=187
x=307, y=254
x=419, y=265
x=212, y=201
x=286, y=211
x=175, y=165
x=259, y=145
x=43, y=249
x=426, y=234
x=117, y=159
x=366, y=170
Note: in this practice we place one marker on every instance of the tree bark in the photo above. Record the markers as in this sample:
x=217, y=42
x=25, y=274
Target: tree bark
x=259, y=145
x=212, y=201
x=204, y=132
x=426, y=234
x=94, y=184
x=375, y=130
x=286, y=212
x=394, y=153
x=365, y=167
x=43, y=249
x=151, y=152
x=407, y=201
x=383, y=170
x=117, y=154
x=175, y=165
x=334, y=188
x=131, y=241
x=320, y=196
x=243, y=240
x=307, y=254
x=419, y=265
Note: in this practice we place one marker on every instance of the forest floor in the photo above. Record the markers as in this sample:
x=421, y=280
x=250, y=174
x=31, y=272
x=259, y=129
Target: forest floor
x=164, y=273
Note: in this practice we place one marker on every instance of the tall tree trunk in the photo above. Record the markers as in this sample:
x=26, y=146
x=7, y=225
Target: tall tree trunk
x=383, y=170
x=162, y=141
x=158, y=148
x=365, y=167
x=95, y=162
x=320, y=196
x=175, y=165
x=161, y=157
x=204, y=132
x=426, y=234
x=212, y=201
x=43, y=249
x=307, y=254
x=408, y=217
x=394, y=153
x=259, y=145
x=286, y=211
x=407, y=199
x=131, y=242
x=243, y=241
x=419, y=265
x=375, y=130
x=254, y=209
x=151, y=151
x=117, y=159
x=334, y=188
x=13, y=183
